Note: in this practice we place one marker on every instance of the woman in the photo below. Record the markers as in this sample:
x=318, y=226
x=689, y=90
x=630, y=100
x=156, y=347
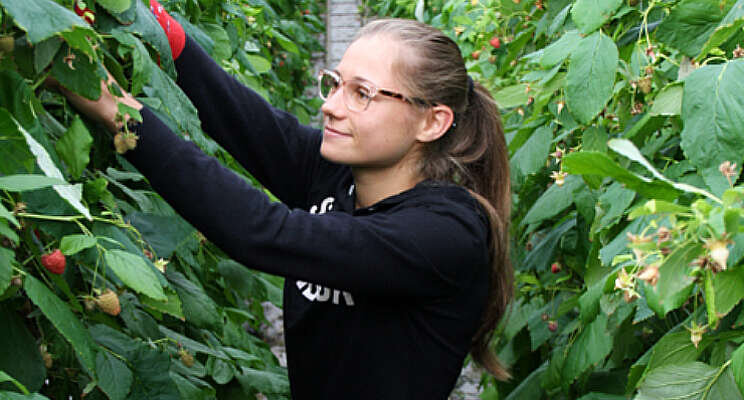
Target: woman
x=392, y=231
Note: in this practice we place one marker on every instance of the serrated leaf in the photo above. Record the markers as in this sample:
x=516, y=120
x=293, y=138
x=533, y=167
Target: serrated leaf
x=72, y=244
x=596, y=163
x=71, y=193
x=60, y=315
x=42, y=19
x=259, y=64
x=692, y=380
x=135, y=273
x=674, y=284
x=263, y=381
x=589, y=15
x=713, y=114
x=21, y=359
x=44, y=53
x=114, y=377
x=198, y=307
x=730, y=25
x=77, y=73
x=591, y=76
x=531, y=156
x=74, y=147
x=729, y=289
x=553, y=201
x=689, y=25
x=221, y=50
x=590, y=348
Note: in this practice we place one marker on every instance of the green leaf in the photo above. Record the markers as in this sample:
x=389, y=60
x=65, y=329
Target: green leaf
x=737, y=366
x=263, y=381
x=596, y=163
x=77, y=73
x=729, y=289
x=730, y=25
x=591, y=76
x=44, y=53
x=590, y=348
x=72, y=244
x=531, y=156
x=628, y=149
x=198, y=307
x=689, y=25
x=21, y=359
x=114, y=378
x=135, y=273
x=692, y=380
x=285, y=42
x=67, y=323
x=150, y=370
x=673, y=348
x=42, y=18
x=222, y=50
x=7, y=259
x=72, y=193
x=7, y=378
x=713, y=114
x=74, y=147
x=561, y=49
x=675, y=284
x=25, y=182
x=115, y=6
x=171, y=306
x=259, y=64
x=164, y=233
x=589, y=15
x=668, y=101
x=553, y=201
x=511, y=96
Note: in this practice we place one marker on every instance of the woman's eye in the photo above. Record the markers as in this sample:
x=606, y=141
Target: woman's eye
x=362, y=94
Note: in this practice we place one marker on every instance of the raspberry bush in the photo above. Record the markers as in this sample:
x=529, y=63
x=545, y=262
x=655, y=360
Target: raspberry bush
x=104, y=291
x=624, y=122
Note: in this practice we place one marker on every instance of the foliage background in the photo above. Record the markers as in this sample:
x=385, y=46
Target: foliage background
x=626, y=228
x=189, y=320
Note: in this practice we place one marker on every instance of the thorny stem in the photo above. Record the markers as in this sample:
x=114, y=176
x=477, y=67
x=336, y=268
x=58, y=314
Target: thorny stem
x=73, y=218
x=41, y=80
x=651, y=5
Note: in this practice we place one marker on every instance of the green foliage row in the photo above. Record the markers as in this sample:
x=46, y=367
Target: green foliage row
x=624, y=123
x=186, y=321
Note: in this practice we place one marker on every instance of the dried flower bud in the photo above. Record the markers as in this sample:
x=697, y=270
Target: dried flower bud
x=728, y=169
x=650, y=274
x=663, y=234
x=738, y=52
x=696, y=333
x=560, y=104
x=719, y=253
x=636, y=109
x=558, y=153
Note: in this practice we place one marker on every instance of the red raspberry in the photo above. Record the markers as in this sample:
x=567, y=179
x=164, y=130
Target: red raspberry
x=555, y=267
x=54, y=262
x=495, y=42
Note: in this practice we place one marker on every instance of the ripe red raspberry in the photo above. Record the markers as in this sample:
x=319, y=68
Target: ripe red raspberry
x=495, y=42
x=54, y=262
x=555, y=267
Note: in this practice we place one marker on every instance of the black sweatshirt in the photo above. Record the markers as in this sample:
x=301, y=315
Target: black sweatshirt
x=379, y=302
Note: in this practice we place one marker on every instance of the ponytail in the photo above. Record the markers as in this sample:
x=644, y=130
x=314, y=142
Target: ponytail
x=472, y=153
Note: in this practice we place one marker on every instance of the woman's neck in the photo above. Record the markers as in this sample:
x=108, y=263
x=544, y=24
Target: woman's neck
x=374, y=184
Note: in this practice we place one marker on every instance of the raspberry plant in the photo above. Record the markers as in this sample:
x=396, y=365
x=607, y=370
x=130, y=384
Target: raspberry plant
x=624, y=122
x=146, y=307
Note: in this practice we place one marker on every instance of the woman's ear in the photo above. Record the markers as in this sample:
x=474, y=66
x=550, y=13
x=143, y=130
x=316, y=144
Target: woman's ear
x=436, y=122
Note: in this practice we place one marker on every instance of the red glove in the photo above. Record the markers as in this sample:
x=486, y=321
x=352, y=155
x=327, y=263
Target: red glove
x=174, y=30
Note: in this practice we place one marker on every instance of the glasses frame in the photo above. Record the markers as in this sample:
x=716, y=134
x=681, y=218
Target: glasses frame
x=373, y=90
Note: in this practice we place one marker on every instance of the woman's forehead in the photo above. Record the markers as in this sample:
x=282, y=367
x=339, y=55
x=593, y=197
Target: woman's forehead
x=372, y=59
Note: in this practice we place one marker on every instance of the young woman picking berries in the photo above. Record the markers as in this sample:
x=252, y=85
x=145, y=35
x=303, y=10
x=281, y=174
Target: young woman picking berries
x=392, y=231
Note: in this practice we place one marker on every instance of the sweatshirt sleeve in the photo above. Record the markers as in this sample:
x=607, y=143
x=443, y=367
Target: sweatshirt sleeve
x=270, y=143
x=414, y=252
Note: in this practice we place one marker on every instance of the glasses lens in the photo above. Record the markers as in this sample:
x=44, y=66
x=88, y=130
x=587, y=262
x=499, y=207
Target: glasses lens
x=357, y=96
x=327, y=84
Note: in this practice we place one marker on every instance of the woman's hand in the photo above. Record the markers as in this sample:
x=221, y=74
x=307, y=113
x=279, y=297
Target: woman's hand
x=106, y=108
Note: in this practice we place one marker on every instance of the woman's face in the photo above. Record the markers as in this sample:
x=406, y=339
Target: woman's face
x=384, y=134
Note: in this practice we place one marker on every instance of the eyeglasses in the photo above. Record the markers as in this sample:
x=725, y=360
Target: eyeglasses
x=357, y=93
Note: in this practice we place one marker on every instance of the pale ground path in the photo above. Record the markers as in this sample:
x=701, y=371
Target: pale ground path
x=342, y=22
